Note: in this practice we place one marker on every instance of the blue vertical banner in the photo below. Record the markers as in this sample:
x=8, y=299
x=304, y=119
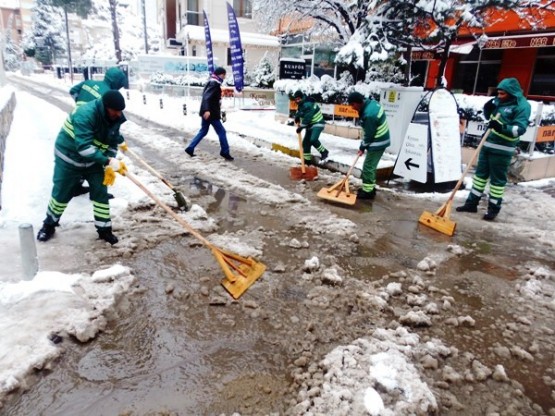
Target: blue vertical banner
x=236, y=48
x=209, y=53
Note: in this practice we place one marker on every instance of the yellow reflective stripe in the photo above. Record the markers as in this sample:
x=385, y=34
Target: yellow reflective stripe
x=56, y=207
x=508, y=138
x=382, y=129
x=101, y=210
x=100, y=145
x=496, y=191
x=92, y=91
x=380, y=113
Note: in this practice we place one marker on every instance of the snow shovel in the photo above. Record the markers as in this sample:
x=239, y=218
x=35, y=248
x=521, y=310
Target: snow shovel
x=179, y=197
x=340, y=191
x=439, y=220
x=308, y=173
x=240, y=272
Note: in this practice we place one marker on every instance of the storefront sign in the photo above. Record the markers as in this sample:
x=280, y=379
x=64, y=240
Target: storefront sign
x=540, y=41
x=545, y=134
x=423, y=56
x=291, y=69
x=345, y=111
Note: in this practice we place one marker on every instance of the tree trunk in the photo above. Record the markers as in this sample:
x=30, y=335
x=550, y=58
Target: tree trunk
x=115, y=30
x=409, y=65
x=69, y=62
x=443, y=62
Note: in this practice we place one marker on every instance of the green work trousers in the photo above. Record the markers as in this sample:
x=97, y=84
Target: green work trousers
x=369, y=169
x=66, y=177
x=492, y=165
x=311, y=138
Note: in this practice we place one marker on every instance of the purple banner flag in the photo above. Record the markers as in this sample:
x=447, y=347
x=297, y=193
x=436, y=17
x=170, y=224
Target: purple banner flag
x=236, y=48
x=209, y=53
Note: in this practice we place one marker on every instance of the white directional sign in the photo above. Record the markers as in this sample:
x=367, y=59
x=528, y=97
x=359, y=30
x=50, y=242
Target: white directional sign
x=412, y=162
x=445, y=136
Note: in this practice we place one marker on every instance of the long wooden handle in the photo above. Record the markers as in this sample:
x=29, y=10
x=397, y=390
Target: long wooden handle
x=180, y=220
x=301, y=155
x=469, y=165
x=150, y=168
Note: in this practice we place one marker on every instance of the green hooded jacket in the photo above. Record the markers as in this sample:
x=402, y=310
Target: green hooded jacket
x=309, y=112
x=374, y=126
x=88, y=136
x=512, y=113
x=89, y=90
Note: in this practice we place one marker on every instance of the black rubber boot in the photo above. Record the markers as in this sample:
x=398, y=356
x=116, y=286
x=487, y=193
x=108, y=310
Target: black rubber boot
x=492, y=212
x=324, y=155
x=467, y=208
x=107, y=235
x=366, y=195
x=46, y=232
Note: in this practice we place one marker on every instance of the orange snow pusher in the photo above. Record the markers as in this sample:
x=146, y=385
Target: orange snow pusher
x=340, y=192
x=439, y=220
x=240, y=272
x=308, y=173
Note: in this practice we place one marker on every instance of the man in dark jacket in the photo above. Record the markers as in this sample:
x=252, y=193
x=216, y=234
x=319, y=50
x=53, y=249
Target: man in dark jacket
x=210, y=111
x=508, y=116
x=309, y=117
x=375, y=139
x=86, y=147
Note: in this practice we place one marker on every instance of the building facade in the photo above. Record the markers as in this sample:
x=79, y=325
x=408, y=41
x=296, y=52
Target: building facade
x=183, y=29
x=512, y=47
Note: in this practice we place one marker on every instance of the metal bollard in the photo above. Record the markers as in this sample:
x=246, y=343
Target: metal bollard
x=127, y=94
x=161, y=103
x=184, y=109
x=144, y=99
x=28, y=251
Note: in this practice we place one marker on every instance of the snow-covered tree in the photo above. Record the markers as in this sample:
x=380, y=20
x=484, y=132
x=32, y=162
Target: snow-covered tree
x=12, y=51
x=430, y=24
x=263, y=75
x=48, y=39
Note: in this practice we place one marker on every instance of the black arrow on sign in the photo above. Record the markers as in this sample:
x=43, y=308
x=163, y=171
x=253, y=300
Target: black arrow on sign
x=408, y=164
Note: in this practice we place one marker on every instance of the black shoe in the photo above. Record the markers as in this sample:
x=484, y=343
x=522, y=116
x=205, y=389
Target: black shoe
x=46, y=232
x=309, y=162
x=227, y=156
x=489, y=216
x=366, y=195
x=80, y=190
x=324, y=155
x=190, y=152
x=467, y=208
x=110, y=196
x=106, y=235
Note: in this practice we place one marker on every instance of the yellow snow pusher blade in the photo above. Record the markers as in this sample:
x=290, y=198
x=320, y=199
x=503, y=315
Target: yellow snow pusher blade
x=308, y=173
x=240, y=272
x=340, y=192
x=440, y=220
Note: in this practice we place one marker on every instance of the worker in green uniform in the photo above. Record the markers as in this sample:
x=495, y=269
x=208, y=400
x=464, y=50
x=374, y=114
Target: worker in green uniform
x=375, y=139
x=508, y=114
x=89, y=90
x=86, y=147
x=309, y=117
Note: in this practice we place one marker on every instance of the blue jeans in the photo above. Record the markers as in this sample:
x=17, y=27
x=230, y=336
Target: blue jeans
x=220, y=131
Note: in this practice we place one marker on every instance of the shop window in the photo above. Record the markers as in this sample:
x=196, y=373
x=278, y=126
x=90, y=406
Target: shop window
x=418, y=72
x=478, y=71
x=193, y=15
x=543, y=80
x=243, y=8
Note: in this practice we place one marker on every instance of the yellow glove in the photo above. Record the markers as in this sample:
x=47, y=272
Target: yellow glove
x=123, y=147
x=109, y=176
x=118, y=166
